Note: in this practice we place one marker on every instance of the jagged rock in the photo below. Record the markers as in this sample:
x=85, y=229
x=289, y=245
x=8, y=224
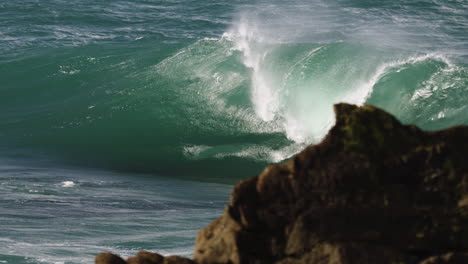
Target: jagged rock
x=109, y=258
x=374, y=191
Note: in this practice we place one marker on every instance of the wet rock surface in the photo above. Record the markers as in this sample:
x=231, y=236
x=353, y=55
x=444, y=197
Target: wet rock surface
x=373, y=191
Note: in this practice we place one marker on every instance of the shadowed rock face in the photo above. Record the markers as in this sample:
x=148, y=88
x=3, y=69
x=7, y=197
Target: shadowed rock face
x=374, y=191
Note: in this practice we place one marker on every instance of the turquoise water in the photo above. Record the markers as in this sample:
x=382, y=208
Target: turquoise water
x=163, y=105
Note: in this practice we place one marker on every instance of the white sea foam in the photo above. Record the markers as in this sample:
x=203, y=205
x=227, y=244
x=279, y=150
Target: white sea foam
x=194, y=151
x=439, y=80
x=254, y=152
x=67, y=184
x=68, y=70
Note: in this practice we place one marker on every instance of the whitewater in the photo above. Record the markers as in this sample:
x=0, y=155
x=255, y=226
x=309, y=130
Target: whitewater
x=123, y=124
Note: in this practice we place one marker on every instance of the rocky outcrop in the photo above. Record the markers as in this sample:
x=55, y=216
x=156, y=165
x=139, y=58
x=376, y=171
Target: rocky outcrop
x=374, y=191
x=107, y=258
x=143, y=257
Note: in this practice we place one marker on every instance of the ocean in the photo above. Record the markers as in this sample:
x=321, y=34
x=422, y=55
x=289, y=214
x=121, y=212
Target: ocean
x=124, y=124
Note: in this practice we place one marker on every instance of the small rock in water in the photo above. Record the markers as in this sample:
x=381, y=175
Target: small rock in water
x=145, y=257
x=109, y=258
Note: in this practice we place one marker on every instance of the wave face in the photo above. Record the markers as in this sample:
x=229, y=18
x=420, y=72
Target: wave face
x=192, y=89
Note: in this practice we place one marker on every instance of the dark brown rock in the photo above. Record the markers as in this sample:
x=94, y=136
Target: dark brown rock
x=177, y=260
x=145, y=257
x=109, y=258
